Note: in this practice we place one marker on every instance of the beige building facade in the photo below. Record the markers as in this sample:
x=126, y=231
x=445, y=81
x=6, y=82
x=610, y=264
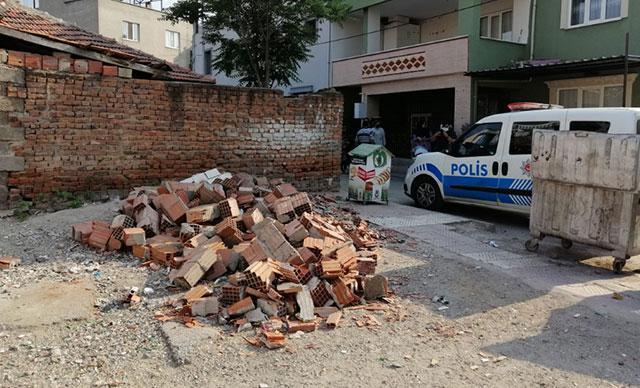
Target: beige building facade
x=135, y=26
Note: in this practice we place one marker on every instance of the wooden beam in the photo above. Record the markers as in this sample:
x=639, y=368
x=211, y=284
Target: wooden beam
x=67, y=48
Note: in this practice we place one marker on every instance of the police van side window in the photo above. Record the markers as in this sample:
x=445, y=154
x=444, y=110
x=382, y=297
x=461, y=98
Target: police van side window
x=521, y=135
x=590, y=126
x=480, y=140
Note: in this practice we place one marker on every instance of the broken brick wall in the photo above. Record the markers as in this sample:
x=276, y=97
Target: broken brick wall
x=92, y=132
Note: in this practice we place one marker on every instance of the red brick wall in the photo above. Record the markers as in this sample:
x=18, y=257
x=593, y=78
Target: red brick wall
x=87, y=132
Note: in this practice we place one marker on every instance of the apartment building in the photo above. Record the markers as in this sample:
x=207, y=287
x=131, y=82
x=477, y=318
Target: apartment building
x=135, y=24
x=314, y=74
x=453, y=62
x=576, y=58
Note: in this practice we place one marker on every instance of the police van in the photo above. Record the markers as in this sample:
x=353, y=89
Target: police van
x=490, y=164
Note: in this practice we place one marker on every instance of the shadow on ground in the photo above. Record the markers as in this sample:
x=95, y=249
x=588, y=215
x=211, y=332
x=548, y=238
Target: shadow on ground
x=469, y=289
x=611, y=349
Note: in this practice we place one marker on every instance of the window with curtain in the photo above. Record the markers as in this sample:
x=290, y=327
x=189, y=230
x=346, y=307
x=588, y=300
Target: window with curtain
x=594, y=11
x=130, y=31
x=484, y=26
x=613, y=9
x=507, y=25
x=612, y=96
x=591, y=98
x=172, y=39
x=568, y=98
x=577, y=11
x=497, y=26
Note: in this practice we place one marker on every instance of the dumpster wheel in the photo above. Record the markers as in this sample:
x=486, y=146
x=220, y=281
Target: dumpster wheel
x=532, y=245
x=618, y=264
x=566, y=244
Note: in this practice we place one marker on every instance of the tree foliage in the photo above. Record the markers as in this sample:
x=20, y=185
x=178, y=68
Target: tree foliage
x=260, y=42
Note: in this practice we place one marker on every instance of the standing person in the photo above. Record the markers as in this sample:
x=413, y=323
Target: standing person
x=364, y=134
x=378, y=134
x=442, y=138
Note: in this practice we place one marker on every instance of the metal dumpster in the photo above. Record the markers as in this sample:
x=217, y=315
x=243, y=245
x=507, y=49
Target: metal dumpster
x=586, y=188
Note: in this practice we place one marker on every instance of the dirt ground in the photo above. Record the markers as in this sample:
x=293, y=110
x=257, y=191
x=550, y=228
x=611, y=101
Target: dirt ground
x=494, y=331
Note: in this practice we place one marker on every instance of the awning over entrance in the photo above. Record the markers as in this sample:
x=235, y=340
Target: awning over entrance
x=551, y=68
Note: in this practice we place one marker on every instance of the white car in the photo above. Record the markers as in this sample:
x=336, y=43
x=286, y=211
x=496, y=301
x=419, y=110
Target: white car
x=490, y=164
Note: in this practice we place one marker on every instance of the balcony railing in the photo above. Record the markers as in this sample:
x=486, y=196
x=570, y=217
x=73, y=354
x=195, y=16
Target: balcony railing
x=442, y=57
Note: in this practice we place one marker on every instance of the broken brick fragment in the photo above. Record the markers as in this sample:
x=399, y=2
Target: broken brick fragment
x=283, y=261
x=134, y=236
x=7, y=262
x=241, y=307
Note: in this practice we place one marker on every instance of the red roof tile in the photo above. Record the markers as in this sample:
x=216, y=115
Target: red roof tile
x=34, y=22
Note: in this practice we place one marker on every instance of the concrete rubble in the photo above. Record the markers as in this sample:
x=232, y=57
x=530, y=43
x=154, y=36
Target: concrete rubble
x=247, y=251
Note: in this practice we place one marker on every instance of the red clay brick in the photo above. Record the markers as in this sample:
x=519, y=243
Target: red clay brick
x=241, y=307
x=33, y=61
x=49, y=63
x=95, y=67
x=16, y=58
x=110, y=71
x=156, y=141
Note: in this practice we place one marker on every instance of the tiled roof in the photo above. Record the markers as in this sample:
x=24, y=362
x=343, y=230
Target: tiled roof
x=37, y=23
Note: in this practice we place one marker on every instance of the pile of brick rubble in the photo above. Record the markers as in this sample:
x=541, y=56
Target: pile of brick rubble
x=274, y=262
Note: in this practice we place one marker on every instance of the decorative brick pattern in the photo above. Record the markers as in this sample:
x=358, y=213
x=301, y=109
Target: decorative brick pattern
x=395, y=65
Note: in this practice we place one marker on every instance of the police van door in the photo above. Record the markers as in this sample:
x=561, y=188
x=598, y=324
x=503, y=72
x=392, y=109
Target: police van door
x=472, y=174
x=515, y=167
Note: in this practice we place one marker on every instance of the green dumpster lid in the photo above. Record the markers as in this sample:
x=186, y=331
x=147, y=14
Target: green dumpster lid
x=364, y=150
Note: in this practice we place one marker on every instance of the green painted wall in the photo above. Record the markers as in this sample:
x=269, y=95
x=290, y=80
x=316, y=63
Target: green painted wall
x=485, y=53
x=605, y=39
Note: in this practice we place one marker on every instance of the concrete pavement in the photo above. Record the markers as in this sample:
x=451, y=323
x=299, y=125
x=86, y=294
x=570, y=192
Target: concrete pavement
x=495, y=240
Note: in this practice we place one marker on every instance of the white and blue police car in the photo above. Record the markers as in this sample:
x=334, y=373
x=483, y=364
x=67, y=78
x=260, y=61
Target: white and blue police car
x=490, y=164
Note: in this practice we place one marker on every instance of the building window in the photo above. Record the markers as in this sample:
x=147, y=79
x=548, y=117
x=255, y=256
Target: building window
x=594, y=11
x=207, y=62
x=591, y=97
x=130, y=31
x=612, y=96
x=507, y=26
x=497, y=26
x=484, y=26
x=172, y=39
x=312, y=26
x=568, y=98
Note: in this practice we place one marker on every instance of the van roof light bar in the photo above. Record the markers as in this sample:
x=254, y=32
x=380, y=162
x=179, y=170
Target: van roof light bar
x=523, y=106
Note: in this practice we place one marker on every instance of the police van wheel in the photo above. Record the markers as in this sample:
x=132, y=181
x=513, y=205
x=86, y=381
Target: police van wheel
x=426, y=194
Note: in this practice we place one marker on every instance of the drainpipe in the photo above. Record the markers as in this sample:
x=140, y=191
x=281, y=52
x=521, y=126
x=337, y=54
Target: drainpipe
x=330, y=71
x=532, y=38
x=626, y=69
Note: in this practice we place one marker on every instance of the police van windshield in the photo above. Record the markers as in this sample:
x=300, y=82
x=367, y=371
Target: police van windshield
x=479, y=140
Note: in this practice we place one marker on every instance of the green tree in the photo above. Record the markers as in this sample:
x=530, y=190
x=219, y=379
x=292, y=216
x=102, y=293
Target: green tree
x=260, y=42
